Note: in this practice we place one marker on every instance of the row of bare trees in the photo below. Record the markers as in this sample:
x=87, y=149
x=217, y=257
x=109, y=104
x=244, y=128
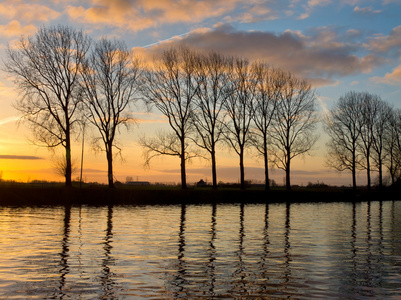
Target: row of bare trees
x=365, y=134
x=212, y=98
x=66, y=80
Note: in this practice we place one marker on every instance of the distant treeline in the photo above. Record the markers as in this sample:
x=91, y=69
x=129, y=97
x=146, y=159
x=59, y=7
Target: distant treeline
x=365, y=133
x=67, y=81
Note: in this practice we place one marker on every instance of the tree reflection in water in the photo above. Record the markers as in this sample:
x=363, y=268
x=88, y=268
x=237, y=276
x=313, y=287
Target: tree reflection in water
x=106, y=277
x=212, y=253
x=64, y=254
x=297, y=251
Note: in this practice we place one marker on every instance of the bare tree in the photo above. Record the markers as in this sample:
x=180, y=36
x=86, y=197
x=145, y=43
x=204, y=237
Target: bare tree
x=380, y=129
x=45, y=68
x=342, y=126
x=393, y=146
x=109, y=87
x=239, y=108
x=171, y=87
x=366, y=118
x=213, y=78
x=294, y=123
x=269, y=83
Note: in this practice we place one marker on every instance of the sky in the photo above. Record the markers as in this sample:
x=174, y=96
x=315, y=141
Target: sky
x=338, y=45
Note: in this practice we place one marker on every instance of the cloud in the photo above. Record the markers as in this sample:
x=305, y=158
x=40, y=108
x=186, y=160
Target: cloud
x=393, y=78
x=319, y=56
x=366, y=10
x=23, y=157
x=137, y=15
x=311, y=5
x=31, y=12
x=14, y=29
x=390, y=44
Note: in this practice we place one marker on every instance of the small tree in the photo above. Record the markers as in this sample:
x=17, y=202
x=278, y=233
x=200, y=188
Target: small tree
x=294, y=122
x=109, y=86
x=45, y=68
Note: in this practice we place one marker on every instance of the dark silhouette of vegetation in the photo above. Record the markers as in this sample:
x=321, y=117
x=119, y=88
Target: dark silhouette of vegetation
x=239, y=108
x=109, y=86
x=393, y=146
x=45, y=68
x=170, y=86
x=206, y=99
x=294, y=122
x=342, y=126
x=213, y=90
x=364, y=134
x=268, y=87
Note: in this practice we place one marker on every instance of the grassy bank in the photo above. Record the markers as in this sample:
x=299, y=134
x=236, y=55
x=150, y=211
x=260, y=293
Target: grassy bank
x=25, y=194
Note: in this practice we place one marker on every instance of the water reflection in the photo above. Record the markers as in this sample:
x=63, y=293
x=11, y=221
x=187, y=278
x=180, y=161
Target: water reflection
x=64, y=267
x=302, y=251
x=212, y=253
x=106, y=277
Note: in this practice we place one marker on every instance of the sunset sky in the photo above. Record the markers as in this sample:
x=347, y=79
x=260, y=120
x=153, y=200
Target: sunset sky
x=339, y=45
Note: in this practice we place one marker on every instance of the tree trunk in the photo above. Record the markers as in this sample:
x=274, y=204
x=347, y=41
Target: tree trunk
x=109, y=155
x=241, y=168
x=380, y=174
x=368, y=172
x=183, y=174
x=287, y=173
x=267, y=183
x=214, y=171
x=354, y=179
x=68, y=166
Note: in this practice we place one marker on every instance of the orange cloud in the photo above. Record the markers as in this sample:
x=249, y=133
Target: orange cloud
x=12, y=9
x=393, y=78
x=14, y=29
x=318, y=57
x=392, y=42
x=141, y=14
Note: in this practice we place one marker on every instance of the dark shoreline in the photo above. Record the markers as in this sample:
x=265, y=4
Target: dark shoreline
x=34, y=195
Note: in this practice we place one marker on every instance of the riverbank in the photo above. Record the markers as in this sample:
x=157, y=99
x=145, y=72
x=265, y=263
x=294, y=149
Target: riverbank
x=100, y=195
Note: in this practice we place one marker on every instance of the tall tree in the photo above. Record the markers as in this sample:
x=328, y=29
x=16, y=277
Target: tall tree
x=293, y=123
x=213, y=78
x=380, y=129
x=393, y=145
x=269, y=83
x=109, y=86
x=45, y=68
x=239, y=108
x=366, y=118
x=342, y=126
x=170, y=87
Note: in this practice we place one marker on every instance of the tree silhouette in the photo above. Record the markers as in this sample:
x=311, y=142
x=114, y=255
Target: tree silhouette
x=342, y=126
x=214, y=88
x=268, y=88
x=109, y=86
x=45, y=68
x=239, y=107
x=294, y=122
x=170, y=87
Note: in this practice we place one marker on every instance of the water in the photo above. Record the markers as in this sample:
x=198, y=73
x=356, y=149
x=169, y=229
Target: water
x=298, y=251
